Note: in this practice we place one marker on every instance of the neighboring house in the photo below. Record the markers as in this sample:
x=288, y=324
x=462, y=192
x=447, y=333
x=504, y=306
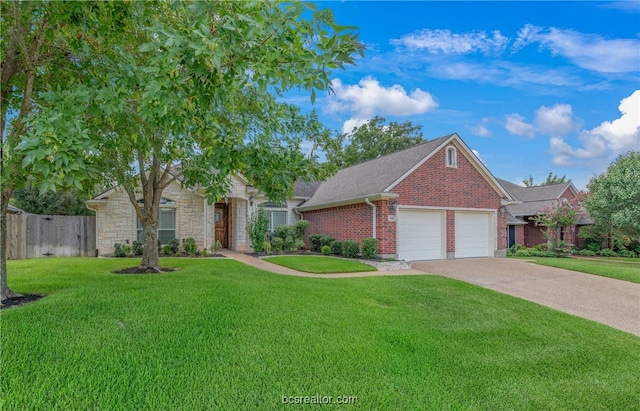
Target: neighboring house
x=185, y=213
x=521, y=226
x=435, y=200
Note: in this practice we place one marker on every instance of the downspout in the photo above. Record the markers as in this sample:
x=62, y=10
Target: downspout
x=295, y=210
x=366, y=200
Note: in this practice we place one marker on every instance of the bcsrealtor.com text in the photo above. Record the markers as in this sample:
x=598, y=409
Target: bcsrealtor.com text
x=319, y=399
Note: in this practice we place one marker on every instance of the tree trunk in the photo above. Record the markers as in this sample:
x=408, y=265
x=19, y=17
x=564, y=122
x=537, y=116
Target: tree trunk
x=5, y=291
x=150, y=257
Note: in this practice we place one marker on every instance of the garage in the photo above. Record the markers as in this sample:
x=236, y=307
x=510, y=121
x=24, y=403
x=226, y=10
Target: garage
x=421, y=235
x=474, y=234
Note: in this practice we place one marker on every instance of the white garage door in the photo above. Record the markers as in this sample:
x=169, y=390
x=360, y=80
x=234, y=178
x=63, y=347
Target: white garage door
x=420, y=235
x=473, y=235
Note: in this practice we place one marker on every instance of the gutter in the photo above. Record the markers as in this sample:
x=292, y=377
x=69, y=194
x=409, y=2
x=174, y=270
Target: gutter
x=354, y=200
x=366, y=200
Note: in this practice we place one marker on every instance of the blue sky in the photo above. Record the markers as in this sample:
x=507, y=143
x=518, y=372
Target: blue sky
x=532, y=87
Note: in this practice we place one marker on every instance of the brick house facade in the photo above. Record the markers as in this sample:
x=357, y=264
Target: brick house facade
x=396, y=188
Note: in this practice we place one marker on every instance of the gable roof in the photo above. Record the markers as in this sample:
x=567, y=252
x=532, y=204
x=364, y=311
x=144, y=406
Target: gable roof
x=534, y=199
x=375, y=179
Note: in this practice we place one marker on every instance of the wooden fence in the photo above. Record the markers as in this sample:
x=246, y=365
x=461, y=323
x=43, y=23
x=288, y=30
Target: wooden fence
x=34, y=236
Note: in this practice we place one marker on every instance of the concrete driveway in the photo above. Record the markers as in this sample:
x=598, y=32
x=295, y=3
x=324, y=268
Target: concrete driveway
x=615, y=303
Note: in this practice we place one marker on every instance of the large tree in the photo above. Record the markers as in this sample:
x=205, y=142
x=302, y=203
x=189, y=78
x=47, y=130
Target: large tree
x=613, y=200
x=371, y=140
x=194, y=85
x=34, y=55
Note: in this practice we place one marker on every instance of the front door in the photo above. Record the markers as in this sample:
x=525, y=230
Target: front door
x=512, y=236
x=221, y=221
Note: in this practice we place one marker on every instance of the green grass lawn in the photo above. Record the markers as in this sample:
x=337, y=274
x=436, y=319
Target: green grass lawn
x=622, y=269
x=222, y=335
x=320, y=265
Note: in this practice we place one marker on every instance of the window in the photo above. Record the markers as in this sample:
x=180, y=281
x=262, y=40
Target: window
x=166, y=222
x=277, y=214
x=452, y=160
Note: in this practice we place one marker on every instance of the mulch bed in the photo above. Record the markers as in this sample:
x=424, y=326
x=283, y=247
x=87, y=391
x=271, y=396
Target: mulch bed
x=21, y=300
x=144, y=270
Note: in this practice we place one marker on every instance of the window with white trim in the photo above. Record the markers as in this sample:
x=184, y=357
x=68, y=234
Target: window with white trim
x=452, y=157
x=276, y=213
x=166, y=222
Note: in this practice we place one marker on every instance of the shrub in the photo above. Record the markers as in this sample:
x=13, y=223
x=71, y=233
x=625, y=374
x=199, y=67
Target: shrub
x=267, y=247
x=127, y=251
x=298, y=245
x=217, y=246
x=203, y=253
x=626, y=253
x=166, y=249
x=276, y=244
x=300, y=227
x=118, y=250
x=522, y=252
x=327, y=240
x=370, y=248
x=189, y=246
x=315, y=242
x=606, y=252
x=258, y=227
x=326, y=250
x=586, y=253
x=284, y=231
x=174, y=245
x=159, y=245
x=350, y=249
x=137, y=248
x=336, y=247
x=289, y=244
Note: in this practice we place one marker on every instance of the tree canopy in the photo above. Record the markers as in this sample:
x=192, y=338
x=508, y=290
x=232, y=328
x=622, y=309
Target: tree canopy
x=551, y=179
x=61, y=202
x=372, y=140
x=197, y=88
x=613, y=200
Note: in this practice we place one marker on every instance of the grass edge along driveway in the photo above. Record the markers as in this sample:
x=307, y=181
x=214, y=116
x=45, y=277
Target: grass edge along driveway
x=222, y=335
x=628, y=269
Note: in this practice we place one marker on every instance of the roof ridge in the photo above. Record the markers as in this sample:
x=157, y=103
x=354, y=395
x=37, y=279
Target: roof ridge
x=399, y=151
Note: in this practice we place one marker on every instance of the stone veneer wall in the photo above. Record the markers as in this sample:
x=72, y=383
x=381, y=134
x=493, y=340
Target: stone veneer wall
x=116, y=220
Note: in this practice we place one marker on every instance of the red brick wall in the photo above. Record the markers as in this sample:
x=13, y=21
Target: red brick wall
x=354, y=222
x=434, y=184
x=431, y=184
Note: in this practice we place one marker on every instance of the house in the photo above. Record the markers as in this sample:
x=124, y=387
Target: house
x=435, y=200
x=185, y=213
x=521, y=225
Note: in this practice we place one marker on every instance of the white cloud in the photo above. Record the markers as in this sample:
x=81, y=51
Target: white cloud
x=369, y=98
x=608, y=139
x=446, y=42
x=514, y=123
x=349, y=125
x=589, y=51
x=481, y=129
x=557, y=120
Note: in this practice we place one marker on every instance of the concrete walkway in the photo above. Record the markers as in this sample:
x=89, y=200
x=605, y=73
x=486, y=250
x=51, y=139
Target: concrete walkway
x=278, y=269
x=615, y=303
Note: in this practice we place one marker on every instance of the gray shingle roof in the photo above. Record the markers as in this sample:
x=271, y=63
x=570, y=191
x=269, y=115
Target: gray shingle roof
x=534, y=199
x=304, y=189
x=536, y=193
x=373, y=176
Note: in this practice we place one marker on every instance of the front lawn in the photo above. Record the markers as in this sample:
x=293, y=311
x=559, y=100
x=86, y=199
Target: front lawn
x=218, y=334
x=320, y=265
x=622, y=269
